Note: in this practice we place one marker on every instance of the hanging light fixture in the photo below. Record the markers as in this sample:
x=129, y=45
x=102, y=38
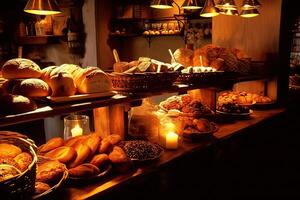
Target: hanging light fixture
x=249, y=13
x=161, y=4
x=229, y=12
x=226, y=4
x=250, y=4
x=42, y=7
x=209, y=9
x=191, y=4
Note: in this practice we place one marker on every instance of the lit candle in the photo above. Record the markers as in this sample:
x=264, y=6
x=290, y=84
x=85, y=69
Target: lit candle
x=76, y=131
x=171, y=140
x=201, y=61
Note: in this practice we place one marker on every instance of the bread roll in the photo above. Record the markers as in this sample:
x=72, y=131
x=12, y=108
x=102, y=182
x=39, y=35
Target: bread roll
x=100, y=160
x=92, y=141
x=46, y=73
x=62, y=84
x=183, y=56
x=74, y=140
x=81, y=76
x=95, y=82
x=62, y=154
x=51, y=144
x=105, y=146
x=8, y=172
x=41, y=187
x=9, y=161
x=84, y=170
x=23, y=160
x=70, y=68
x=121, y=66
x=118, y=155
x=32, y=88
x=14, y=104
x=20, y=68
x=57, y=70
x=49, y=171
x=83, y=151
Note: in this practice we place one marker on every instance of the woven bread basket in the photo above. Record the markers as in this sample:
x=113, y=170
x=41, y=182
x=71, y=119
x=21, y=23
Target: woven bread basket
x=20, y=186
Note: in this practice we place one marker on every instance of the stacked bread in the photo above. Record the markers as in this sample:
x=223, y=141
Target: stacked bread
x=220, y=58
x=85, y=156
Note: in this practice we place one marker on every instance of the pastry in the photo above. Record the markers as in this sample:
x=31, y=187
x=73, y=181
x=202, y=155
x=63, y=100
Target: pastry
x=8, y=172
x=49, y=171
x=14, y=104
x=84, y=170
x=41, y=187
x=23, y=160
x=62, y=154
x=83, y=152
x=62, y=84
x=32, y=88
x=51, y=144
x=100, y=160
x=9, y=150
x=20, y=68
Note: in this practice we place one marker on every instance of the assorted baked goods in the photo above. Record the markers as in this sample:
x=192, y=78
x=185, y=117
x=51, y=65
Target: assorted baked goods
x=243, y=98
x=31, y=88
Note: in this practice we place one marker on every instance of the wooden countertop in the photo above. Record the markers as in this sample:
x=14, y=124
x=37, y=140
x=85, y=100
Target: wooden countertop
x=115, y=181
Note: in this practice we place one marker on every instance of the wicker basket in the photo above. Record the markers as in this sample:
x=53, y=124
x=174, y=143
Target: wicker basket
x=142, y=82
x=21, y=186
x=199, y=78
x=56, y=186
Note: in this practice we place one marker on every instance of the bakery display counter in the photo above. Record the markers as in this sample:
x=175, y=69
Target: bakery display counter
x=112, y=182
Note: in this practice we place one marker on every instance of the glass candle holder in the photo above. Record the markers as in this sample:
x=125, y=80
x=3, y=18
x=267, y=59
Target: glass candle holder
x=76, y=125
x=168, y=138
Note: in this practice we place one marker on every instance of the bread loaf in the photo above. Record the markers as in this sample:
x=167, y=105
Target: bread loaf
x=94, y=82
x=9, y=150
x=84, y=170
x=51, y=144
x=100, y=160
x=118, y=155
x=83, y=152
x=62, y=154
x=20, y=68
x=13, y=104
x=70, y=68
x=32, y=88
x=121, y=67
x=41, y=187
x=74, y=140
x=62, y=84
x=79, y=78
x=183, y=56
x=23, y=160
x=49, y=171
x=92, y=141
x=46, y=73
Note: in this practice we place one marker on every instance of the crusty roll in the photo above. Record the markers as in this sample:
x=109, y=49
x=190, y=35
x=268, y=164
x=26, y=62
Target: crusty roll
x=41, y=187
x=62, y=154
x=70, y=68
x=118, y=155
x=92, y=141
x=81, y=76
x=14, y=104
x=9, y=150
x=100, y=160
x=49, y=171
x=51, y=144
x=94, y=82
x=84, y=170
x=46, y=73
x=23, y=160
x=20, y=68
x=32, y=88
x=74, y=140
x=83, y=152
x=62, y=84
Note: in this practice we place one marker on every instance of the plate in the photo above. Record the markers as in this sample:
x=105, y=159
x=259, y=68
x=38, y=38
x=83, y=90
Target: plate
x=235, y=114
x=77, y=97
x=104, y=171
x=199, y=135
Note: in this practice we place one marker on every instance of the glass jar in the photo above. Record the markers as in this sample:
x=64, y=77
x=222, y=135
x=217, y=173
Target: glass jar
x=168, y=136
x=76, y=125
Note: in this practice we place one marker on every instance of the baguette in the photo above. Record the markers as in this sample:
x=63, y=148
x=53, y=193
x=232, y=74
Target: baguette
x=92, y=141
x=83, y=152
x=62, y=154
x=51, y=144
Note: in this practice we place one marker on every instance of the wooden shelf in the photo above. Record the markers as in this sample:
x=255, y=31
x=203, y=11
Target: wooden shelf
x=114, y=182
x=38, y=40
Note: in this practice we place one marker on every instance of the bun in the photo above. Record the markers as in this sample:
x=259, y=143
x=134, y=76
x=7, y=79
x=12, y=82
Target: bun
x=14, y=104
x=71, y=68
x=46, y=73
x=84, y=170
x=32, y=88
x=49, y=171
x=20, y=68
x=23, y=160
x=8, y=172
x=100, y=160
x=41, y=187
x=62, y=84
x=92, y=141
x=9, y=161
x=105, y=146
x=118, y=155
x=114, y=138
x=53, y=143
x=62, y=154
x=83, y=151
x=9, y=150
x=96, y=81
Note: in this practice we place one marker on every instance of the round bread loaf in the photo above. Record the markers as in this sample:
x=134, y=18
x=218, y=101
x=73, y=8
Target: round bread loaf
x=20, y=68
x=32, y=88
x=13, y=104
x=184, y=56
x=62, y=84
x=95, y=82
x=46, y=73
x=70, y=68
x=81, y=76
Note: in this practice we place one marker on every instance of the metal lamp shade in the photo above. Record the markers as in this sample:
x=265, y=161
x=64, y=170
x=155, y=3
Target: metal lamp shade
x=42, y=7
x=249, y=13
x=191, y=4
x=209, y=9
x=229, y=12
x=161, y=4
x=250, y=4
x=227, y=4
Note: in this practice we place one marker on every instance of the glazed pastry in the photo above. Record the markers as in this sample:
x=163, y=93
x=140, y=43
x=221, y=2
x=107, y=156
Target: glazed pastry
x=41, y=187
x=49, y=171
x=23, y=160
x=9, y=150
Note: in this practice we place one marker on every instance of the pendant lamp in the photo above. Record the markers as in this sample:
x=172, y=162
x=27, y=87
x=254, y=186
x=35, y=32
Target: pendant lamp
x=209, y=9
x=42, y=7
